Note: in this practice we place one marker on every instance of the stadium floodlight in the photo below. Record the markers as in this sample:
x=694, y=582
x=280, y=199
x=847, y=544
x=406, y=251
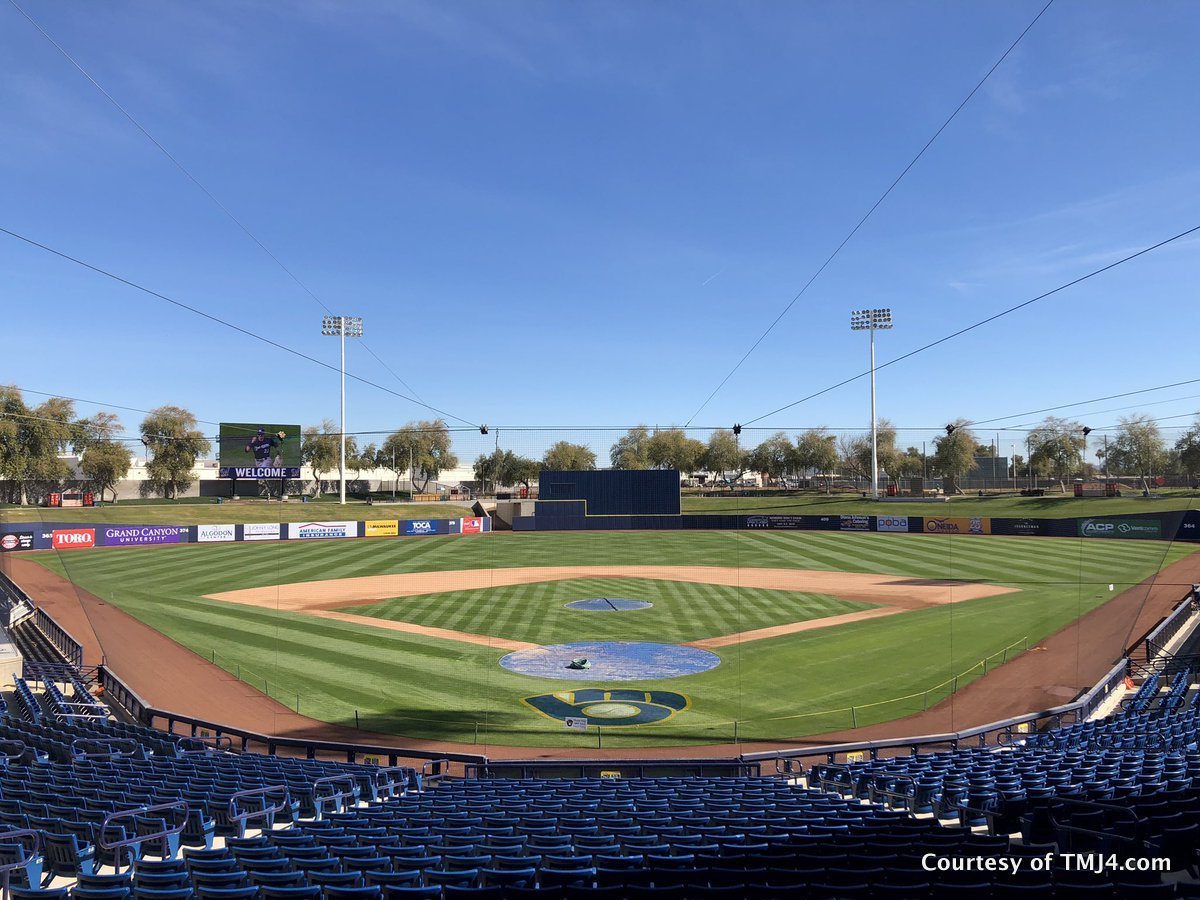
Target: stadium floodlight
x=343, y=327
x=872, y=320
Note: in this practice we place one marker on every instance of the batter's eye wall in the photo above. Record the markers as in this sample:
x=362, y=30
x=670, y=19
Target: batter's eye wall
x=615, y=492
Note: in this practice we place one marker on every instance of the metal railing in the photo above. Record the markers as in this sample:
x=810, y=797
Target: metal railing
x=62, y=640
x=136, y=840
x=1162, y=634
x=240, y=817
x=341, y=801
x=31, y=856
x=108, y=748
x=1001, y=733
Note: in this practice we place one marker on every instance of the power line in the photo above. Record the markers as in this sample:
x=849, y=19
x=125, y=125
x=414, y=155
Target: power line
x=982, y=322
x=194, y=180
x=870, y=212
x=238, y=328
x=1034, y=412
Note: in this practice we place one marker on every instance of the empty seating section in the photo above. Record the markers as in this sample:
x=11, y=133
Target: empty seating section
x=1125, y=784
x=26, y=703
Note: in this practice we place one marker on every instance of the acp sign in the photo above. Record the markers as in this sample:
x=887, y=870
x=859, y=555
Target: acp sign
x=575, y=723
x=1121, y=528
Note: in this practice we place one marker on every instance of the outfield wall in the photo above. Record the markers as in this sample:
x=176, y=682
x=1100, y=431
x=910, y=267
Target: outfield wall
x=87, y=535
x=1177, y=525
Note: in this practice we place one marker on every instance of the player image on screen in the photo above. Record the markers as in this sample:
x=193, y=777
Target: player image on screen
x=263, y=446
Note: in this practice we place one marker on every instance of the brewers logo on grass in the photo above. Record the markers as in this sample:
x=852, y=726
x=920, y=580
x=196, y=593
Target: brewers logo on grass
x=601, y=707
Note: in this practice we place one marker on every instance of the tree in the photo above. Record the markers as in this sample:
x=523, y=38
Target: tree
x=856, y=451
x=631, y=449
x=565, y=456
x=775, y=456
x=954, y=452
x=104, y=460
x=1188, y=450
x=174, y=442
x=505, y=467
x=320, y=450
x=1056, y=447
x=429, y=445
x=723, y=456
x=854, y=455
x=909, y=464
x=816, y=451
x=671, y=448
x=1138, y=448
x=31, y=439
x=524, y=470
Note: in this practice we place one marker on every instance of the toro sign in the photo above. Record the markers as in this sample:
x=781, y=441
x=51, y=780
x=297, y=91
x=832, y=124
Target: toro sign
x=73, y=538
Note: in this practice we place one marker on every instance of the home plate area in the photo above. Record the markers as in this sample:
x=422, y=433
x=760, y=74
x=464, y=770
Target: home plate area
x=610, y=661
x=610, y=708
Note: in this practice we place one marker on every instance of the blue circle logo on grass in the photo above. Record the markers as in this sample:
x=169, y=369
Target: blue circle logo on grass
x=611, y=661
x=610, y=708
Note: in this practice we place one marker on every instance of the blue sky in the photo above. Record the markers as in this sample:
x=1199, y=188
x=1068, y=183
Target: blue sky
x=584, y=214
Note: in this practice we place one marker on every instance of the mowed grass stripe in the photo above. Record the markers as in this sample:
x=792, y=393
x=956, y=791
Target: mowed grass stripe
x=405, y=680
x=683, y=611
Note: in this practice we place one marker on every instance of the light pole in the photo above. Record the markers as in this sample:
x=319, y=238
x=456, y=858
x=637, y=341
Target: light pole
x=343, y=327
x=870, y=320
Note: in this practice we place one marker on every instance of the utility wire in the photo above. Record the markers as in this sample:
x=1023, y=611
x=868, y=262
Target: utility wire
x=870, y=212
x=194, y=180
x=1034, y=412
x=238, y=328
x=982, y=322
x=26, y=390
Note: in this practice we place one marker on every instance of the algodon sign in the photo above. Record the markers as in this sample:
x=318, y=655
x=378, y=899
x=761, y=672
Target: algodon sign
x=127, y=535
x=212, y=534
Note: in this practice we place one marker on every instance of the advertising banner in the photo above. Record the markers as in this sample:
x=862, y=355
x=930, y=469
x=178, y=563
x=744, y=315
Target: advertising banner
x=807, y=523
x=254, y=450
x=18, y=540
x=260, y=472
x=426, y=526
x=891, y=523
x=854, y=523
x=958, y=525
x=1121, y=528
x=206, y=534
x=73, y=538
x=261, y=531
x=318, y=530
x=381, y=528
x=472, y=525
x=127, y=535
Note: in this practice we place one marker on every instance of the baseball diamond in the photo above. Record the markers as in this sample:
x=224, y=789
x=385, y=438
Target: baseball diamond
x=407, y=636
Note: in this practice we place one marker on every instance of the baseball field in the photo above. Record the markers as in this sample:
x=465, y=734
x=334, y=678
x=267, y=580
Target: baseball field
x=753, y=636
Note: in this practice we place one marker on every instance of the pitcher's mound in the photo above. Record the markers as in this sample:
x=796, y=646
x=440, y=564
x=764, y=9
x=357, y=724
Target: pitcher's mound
x=608, y=604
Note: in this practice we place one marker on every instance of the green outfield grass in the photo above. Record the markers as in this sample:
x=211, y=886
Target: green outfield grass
x=683, y=610
x=209, y=512
x=1052, y=506
x=777, y=688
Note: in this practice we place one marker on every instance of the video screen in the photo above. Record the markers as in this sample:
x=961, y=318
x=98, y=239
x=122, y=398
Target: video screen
x=254, y=450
